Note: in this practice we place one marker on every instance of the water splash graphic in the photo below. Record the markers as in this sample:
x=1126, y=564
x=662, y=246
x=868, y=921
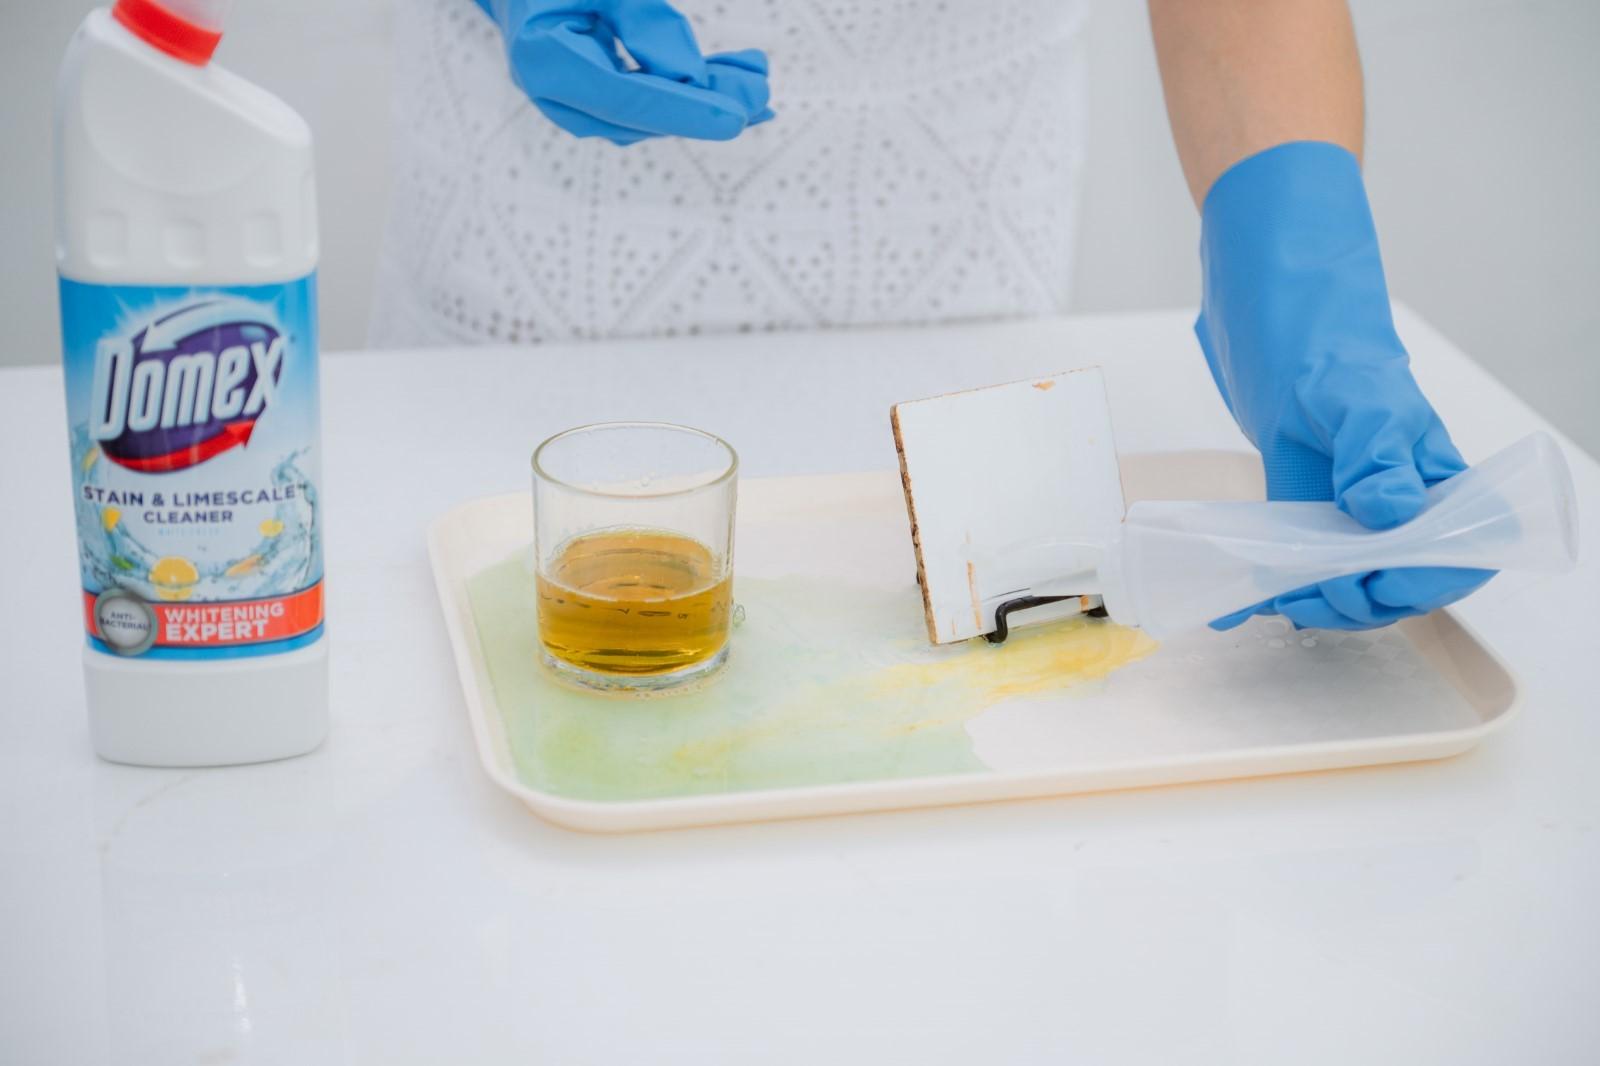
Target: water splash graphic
x=120, y=551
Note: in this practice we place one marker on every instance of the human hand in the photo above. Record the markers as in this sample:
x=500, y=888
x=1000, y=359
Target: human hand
x=1296, y=328
x=563, y=54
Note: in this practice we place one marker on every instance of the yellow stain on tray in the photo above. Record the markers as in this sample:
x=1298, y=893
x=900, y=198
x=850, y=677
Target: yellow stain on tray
x=945, y=689
x=825, y=684
x=1032, y=662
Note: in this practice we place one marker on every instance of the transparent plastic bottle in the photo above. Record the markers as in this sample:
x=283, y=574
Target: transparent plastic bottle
x=187, y=249
x=1176, y=565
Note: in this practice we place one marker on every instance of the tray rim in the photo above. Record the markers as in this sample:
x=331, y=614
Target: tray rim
x=614, y=816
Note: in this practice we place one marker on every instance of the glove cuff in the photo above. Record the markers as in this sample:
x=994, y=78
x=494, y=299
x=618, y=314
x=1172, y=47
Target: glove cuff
x=1295, y=218
x=1291, y=177
x=1289, y=260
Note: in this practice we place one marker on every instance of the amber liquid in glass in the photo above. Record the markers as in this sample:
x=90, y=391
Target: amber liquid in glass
x=634, y=602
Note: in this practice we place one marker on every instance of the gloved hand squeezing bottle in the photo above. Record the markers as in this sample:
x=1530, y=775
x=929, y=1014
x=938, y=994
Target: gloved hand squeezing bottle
x=1296, y=328
x=563, y=54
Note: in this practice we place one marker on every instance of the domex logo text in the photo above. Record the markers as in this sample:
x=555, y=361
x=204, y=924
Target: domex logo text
x=188, y=386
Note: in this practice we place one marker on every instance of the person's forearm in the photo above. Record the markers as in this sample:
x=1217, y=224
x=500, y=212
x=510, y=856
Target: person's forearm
x=1243, y=75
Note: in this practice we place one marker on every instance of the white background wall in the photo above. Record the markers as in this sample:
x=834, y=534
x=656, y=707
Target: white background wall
x=1483, y=162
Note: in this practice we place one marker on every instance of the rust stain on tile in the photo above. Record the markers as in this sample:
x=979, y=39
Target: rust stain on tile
x=916, y=531
x=1044, y=386
x=972, y=589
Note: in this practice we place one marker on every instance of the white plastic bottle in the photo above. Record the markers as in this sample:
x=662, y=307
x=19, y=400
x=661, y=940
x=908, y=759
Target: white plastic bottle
x=187, y=247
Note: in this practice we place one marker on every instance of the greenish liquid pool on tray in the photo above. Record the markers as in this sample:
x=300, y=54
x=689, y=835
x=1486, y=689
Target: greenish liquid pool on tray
x=825, y=684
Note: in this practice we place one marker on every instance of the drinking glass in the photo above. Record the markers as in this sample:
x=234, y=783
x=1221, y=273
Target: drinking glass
x=633, y=536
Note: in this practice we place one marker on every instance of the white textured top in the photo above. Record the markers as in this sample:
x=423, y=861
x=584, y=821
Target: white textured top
x=923, y=166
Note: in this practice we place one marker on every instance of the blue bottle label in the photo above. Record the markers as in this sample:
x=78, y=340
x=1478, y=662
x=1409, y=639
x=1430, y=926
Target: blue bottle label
x=194, y=423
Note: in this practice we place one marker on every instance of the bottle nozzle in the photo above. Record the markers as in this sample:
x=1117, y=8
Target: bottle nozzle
x=184, y=29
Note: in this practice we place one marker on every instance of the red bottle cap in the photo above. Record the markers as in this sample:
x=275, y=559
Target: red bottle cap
x=177, y=36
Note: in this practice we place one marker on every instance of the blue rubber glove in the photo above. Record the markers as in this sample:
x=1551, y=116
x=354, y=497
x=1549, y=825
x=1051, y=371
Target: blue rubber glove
x=1296, y=327
x=563, y=54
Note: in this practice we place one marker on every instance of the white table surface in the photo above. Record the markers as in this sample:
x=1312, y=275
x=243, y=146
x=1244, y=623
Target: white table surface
x=378, y=901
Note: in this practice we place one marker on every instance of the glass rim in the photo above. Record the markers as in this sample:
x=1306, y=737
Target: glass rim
x=729, y=473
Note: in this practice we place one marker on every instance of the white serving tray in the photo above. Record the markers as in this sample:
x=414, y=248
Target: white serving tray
x=1207, y=706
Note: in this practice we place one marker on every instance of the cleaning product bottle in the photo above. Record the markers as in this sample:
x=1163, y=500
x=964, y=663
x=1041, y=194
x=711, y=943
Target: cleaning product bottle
x=187, y=246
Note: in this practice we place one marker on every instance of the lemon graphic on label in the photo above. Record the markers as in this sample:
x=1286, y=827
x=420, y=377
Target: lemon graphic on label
x=271, y=527
x=243, y=566
x=109, y=517
x=174, y=577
